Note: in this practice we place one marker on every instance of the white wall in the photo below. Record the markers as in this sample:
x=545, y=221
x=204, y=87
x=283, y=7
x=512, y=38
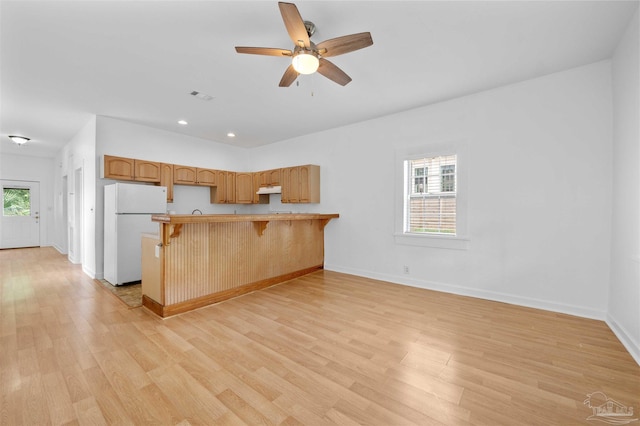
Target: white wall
x=539, y=167
x=121, y=138
x=624, y=293
x=36, y=169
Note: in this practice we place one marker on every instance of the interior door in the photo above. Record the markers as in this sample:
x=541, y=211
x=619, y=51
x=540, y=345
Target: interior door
x=20, y=220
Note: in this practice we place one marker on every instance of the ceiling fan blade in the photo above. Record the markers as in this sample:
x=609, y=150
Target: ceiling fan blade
x=345, y=44
x=294, y=24
x=332, y=72
x=268, y=51
x=288, y=77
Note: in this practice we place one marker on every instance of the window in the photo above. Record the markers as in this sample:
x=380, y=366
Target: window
x=430, y=200
x=431, y=195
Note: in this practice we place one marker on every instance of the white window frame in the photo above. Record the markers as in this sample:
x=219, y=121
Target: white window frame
x=459, y=241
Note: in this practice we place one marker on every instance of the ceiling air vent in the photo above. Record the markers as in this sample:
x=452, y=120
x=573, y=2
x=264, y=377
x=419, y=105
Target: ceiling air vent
x=202, y=96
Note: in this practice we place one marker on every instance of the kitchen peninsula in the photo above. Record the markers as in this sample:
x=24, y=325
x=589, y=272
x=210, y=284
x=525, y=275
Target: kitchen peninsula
x=197, y=260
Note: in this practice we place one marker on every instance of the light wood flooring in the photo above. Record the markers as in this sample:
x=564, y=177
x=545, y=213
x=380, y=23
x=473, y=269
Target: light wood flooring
x=326, y=348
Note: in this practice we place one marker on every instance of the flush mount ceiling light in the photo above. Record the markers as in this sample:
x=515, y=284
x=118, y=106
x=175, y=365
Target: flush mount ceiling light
x=231, y=135
x=183, y=122
x=20, y=140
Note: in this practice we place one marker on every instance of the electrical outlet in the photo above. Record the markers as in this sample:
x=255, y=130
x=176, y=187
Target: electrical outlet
x=405, y=269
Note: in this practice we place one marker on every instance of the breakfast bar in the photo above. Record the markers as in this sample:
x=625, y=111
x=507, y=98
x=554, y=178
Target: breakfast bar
x=197, y=260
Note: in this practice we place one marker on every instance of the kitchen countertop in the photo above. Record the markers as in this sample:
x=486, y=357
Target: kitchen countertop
x=208, y=218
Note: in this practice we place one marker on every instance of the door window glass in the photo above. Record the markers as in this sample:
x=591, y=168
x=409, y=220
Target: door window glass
x=17, y=201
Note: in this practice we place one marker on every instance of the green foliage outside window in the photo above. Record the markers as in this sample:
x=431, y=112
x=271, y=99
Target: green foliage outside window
x=17, y=202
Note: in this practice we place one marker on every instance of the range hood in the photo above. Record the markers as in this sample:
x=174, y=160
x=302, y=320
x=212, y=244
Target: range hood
x=270, y=190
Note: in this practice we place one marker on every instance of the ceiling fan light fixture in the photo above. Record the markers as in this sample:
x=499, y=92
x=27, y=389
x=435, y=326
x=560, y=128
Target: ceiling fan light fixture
x=20, y=140
x=305, y=63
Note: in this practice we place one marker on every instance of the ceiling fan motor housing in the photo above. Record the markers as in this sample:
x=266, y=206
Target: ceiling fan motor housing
x=310, y=27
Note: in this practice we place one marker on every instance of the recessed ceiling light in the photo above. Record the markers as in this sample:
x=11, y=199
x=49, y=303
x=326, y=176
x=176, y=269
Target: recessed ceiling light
x=183, y=122
x=231, y=135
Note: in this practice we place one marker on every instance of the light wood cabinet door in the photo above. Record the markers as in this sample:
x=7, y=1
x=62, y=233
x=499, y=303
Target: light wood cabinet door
x=244, y=188
x=166, y=179
x=147, y=171
x=119, y=168
x=274, y=177
x=294, y=185
x=206, y=177
x=218, y=192
x=270, y=177
x=309, y=180
x=256, y=184
x=231, y=187
x=258, y=198
x=301, y=184
x=225, y=190
x=184, y=175
x=285, y=180
x=263, y=179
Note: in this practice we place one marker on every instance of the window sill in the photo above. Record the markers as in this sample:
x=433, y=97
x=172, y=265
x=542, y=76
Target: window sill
x=435, y=241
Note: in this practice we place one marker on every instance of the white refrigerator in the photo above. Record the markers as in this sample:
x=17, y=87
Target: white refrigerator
x=127, y=215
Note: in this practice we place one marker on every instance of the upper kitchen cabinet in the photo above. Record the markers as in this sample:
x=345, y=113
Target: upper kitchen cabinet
x=206, y=177
x=184, y=175
x=270, y=177
x=301, y=184
x=118, y=168
x=225, y=190
x=246, y=189
x=309, y=181
x=257, y=183
x=122, y=168
x=290, y=192
x=147, y=171
x=166, y=179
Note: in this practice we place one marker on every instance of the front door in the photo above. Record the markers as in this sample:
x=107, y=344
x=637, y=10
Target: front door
x=20, y=220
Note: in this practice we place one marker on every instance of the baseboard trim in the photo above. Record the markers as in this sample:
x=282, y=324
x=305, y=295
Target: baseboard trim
x=89, y=272
x=480, y=294
x=165, y=311
x=152, y=305
x=59, y=249
x=625, y=338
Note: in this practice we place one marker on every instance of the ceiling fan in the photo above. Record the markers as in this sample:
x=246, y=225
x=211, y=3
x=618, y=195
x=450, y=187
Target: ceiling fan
x=308, y=57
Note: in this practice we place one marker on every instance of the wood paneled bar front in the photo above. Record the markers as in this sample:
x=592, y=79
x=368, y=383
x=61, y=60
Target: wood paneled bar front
x=197, y=260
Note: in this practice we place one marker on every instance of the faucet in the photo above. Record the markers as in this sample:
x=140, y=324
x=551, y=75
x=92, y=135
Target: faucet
x=196, y=210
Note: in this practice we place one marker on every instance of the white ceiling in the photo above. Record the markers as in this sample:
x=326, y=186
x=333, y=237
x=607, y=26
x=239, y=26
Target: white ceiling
x=62, y=61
